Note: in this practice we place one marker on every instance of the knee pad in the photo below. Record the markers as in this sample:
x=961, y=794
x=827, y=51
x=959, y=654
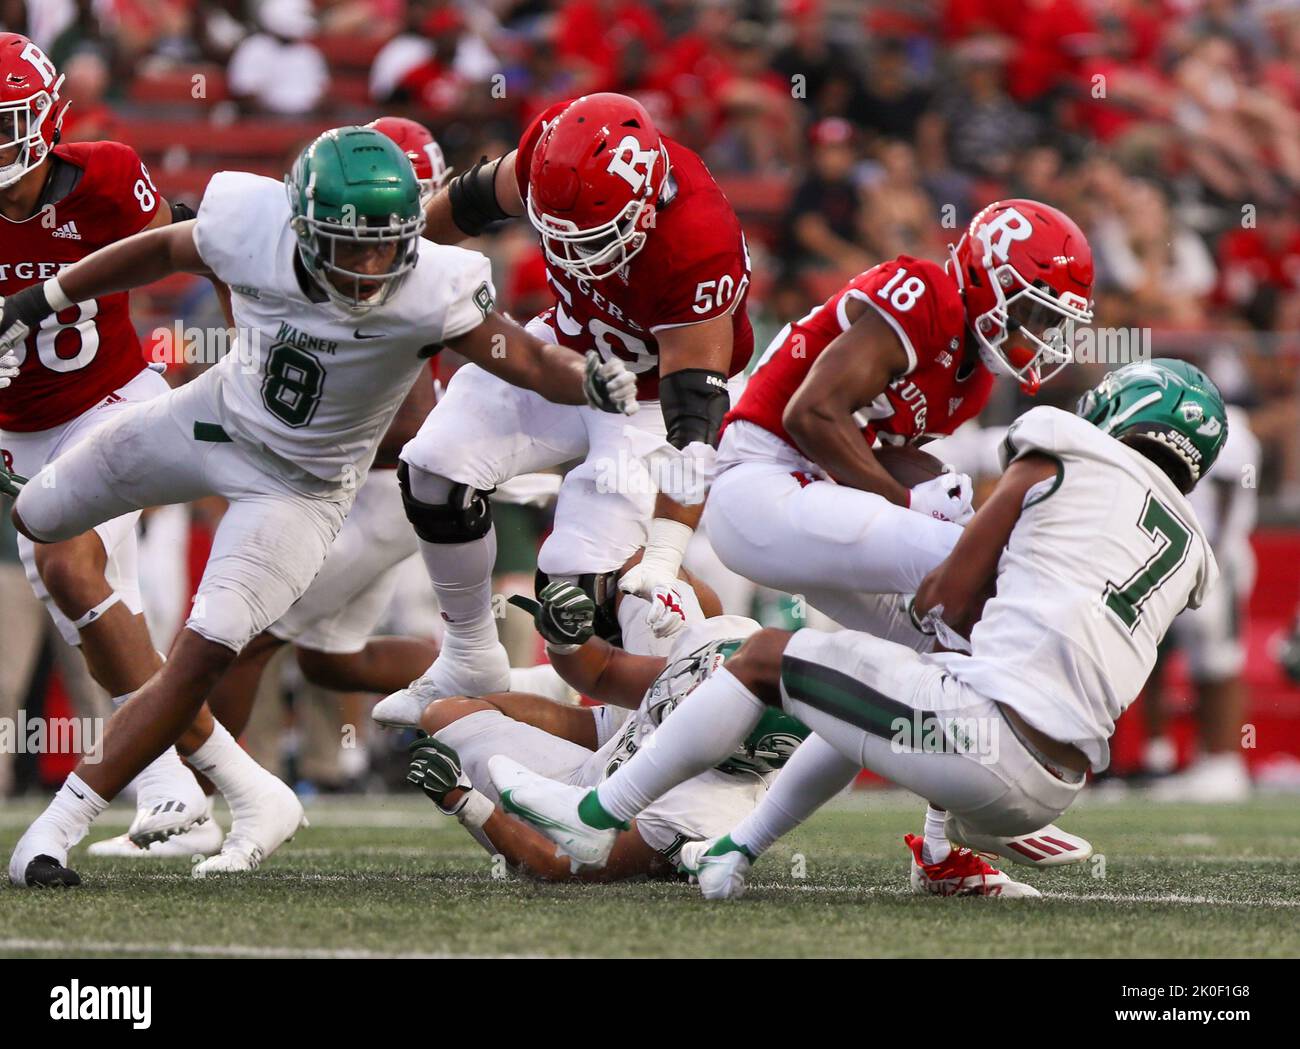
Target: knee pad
x=225, y=617
x=466, y=516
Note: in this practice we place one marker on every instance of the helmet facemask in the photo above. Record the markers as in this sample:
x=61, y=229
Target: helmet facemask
x=22, y=125
x=597, y=252
x=1041, y=317
x=319, y=241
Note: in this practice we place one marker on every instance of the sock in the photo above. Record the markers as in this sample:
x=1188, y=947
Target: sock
x=700, y=732
x=164, y=779
x=73, y=809
x=234, y=773
x=462, y=579
x=813, y=775
x=936, y=847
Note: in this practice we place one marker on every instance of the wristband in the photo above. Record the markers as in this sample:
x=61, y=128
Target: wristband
x=666, y=546
x=475, y=809
x=55, y=296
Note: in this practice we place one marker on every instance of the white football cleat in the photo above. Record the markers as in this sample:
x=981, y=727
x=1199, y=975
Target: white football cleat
x=963, y=873
x=1213, y=779
x=718, y=866
x=203, y=839
x=40, y=859
x=1049, y=847
x=165, y=819
x=256, y=830
x=452, y=674
x=553, y=809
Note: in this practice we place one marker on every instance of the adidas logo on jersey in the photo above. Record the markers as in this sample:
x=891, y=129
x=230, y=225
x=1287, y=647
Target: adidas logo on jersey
x=68, y=231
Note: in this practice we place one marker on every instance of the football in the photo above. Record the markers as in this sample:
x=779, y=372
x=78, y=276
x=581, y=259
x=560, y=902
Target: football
x=908, y=465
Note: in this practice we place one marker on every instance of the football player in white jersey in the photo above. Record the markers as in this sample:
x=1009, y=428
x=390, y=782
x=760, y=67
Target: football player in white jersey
x=582, y=745
x=1065, y=582
x=338, y=301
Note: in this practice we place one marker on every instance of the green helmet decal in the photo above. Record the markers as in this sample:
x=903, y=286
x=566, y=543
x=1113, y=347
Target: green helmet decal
x=356, y=212
x=1166, y=409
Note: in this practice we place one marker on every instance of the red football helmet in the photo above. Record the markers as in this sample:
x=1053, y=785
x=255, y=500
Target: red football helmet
x=30, y=111
x=1024, y=267
x=595, y=176
x=421, y=149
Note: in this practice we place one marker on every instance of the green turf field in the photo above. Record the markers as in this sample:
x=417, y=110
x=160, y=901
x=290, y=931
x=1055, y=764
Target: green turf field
x=384, y=876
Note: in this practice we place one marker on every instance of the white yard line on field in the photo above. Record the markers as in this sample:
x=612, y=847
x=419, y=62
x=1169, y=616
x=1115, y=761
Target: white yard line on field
x=1048, y=895
x=72, y=947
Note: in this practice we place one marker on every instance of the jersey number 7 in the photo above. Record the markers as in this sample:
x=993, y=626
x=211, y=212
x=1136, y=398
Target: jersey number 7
x=1160, y=526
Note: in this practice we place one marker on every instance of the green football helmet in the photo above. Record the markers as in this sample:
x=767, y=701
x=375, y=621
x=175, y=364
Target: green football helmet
x=769, y=746
x=352, y=193
x=1165, y=409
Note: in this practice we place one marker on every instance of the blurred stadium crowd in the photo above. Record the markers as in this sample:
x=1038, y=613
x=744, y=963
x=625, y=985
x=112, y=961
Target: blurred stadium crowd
x=844, y=132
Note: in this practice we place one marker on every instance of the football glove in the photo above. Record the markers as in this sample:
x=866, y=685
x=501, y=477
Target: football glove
x=565, y=615
x=654, y=577
x=609, y=386
x=436, y=770
x=8, y=368
x=10, y=483
x=947, y=497
x=19, y=314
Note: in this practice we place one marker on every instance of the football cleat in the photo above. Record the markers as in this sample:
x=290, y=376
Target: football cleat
x=1048, y=847
x=257, y=830
x=45, y=872
x=963, y=873
x=163, y=820
x=1213, y=779
x=488, y=672
x=719, y=867
x=553, y=809
x=202, y=839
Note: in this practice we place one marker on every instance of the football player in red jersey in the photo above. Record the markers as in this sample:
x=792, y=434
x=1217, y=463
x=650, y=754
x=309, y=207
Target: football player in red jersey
x=77, y=370
x=904, y=352
x=648, y=264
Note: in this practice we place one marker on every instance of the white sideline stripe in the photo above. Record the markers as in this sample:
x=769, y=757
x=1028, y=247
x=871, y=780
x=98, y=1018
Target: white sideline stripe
x=234, y=950
x=1048, y=895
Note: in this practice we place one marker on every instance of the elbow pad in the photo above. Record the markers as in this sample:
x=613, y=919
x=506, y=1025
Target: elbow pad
x=694, y=400
x=473, y=194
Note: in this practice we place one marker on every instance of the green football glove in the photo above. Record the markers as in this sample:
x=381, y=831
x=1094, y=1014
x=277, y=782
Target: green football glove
x=10, y=483
x=435, y=769
x=565, y=616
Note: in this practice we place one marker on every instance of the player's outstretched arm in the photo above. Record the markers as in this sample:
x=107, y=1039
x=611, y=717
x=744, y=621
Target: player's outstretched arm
x=131, y=263
x=473, y=200
x=850, y=374
x=967, y=577
x=693, y=364
x=502, y=347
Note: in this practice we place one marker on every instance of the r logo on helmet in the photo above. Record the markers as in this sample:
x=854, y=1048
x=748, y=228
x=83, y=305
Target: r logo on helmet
x=1008, y=226
x=628, y=171
x=43, y=65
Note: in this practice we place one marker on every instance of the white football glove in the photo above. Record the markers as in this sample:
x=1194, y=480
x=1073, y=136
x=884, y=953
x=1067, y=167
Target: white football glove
x=654, y=578
x=947, y=497
x=609, y=386
x=9, y=365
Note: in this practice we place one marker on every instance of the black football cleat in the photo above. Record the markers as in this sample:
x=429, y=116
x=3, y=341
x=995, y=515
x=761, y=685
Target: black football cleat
x=45, y=872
